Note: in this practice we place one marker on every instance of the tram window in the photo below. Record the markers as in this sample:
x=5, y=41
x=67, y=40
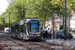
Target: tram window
x=21, y=28
x=17, y=28
x=27, y=27
x=24, y=29
x=12, y=30
x=34, y=27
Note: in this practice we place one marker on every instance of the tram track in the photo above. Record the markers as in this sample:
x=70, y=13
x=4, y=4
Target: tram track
x=30, y=46
x=10, y=46
x=6, y=45
x=37, y=45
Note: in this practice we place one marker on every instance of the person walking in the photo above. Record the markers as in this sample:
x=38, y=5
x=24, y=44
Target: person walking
x=45, y=29
x=45, y=33
x=49, y=33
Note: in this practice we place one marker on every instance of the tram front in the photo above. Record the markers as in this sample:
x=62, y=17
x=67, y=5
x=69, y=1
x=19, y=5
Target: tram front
x=34, y=31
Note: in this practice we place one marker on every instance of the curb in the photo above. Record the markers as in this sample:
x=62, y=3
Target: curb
x=67, y=44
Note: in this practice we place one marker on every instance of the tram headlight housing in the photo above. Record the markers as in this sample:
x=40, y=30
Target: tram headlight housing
x=31, y=34
x=37, y=34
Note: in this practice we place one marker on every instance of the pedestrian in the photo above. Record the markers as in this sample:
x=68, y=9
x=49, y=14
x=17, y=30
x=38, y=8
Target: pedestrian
x=45, y=29
x=42, y=32
x=53, y=35
x=45, y=33
x=49, y=33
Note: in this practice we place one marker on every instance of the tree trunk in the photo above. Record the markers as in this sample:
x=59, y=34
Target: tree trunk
x=44, y=21
x=69, y=22
x=69, y=19
x=52, y=25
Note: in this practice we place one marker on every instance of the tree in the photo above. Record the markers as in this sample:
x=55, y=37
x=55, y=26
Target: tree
x=70, y=5
x=42, y=9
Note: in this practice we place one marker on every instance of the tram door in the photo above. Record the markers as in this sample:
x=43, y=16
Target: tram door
x=25, y=31
x=17, y=28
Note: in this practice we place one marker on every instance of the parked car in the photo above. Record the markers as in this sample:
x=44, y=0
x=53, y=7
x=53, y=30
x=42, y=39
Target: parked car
x=73, y=30
x=70, y=30
x=2, y=31
x=7, y=32
x=60, y=34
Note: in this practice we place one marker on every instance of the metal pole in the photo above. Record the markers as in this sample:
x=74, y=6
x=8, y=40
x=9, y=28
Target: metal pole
x=63, y=19
x=65, y=33
x=55, y=28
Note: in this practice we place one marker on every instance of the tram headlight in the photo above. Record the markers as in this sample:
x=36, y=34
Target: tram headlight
x=37, y=34
x=31, y=34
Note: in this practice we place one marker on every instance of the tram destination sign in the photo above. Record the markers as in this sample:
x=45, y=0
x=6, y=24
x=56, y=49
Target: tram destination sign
x=33, y=21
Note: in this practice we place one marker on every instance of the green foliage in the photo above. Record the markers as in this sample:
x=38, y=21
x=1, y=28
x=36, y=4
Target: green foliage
x=73, y=32
x=20, y=9
x=69, y=3
x=61, y=27
x=71, y=49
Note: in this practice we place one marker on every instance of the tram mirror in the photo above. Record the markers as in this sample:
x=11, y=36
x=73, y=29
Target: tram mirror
x=25, y=25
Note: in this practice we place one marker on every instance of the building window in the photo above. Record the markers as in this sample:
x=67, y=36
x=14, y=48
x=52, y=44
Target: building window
x=57, y=23
x=61, y=23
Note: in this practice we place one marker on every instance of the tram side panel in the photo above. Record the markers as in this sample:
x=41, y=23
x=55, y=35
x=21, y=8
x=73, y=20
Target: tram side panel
x=12, y=31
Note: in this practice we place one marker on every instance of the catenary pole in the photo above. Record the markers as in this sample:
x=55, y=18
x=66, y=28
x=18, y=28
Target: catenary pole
x=65, y=33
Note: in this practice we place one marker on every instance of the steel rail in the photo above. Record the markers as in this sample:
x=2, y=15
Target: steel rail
x=7, y=45
x=19, y=44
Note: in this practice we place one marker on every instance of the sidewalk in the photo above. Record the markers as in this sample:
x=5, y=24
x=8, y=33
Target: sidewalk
x=68, y=43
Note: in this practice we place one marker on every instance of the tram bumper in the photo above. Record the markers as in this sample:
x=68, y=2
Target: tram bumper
x=34, y=37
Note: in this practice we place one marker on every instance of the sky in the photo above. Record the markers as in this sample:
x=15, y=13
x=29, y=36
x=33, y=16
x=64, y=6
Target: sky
x=3, y=5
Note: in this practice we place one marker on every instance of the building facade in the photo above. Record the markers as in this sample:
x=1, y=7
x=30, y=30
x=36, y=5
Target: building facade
x=59, y=22
x=72, y=22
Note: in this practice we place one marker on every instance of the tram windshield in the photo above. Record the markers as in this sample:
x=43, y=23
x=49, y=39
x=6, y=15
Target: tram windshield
x=34, y=27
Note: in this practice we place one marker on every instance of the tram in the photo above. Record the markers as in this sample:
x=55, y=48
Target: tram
x=26, y=29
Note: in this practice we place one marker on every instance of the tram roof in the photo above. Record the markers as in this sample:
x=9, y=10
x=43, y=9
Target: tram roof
x=18, y=22
x=13, y=24
x=31, y=19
